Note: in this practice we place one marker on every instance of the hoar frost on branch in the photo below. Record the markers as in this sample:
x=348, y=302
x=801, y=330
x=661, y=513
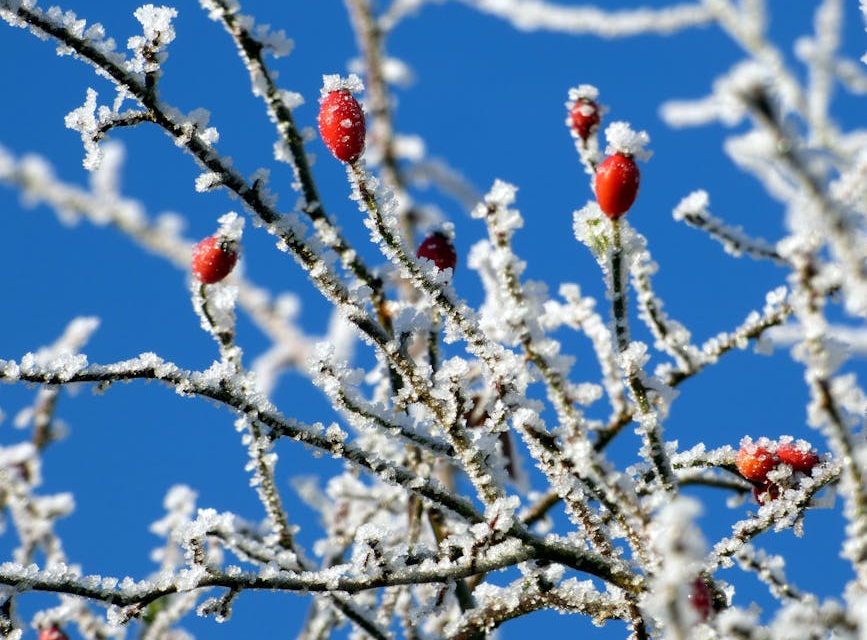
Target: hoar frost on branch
x=407, y=546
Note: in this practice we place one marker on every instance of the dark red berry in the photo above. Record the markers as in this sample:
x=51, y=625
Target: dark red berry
x=765, y=492
x=341, y=125
x=585, y=117
x=439, y=248
x=52, y=633
x=617, y=180
x=701, y=598
x=754, y=461
x=800, y=457
x=213, y=259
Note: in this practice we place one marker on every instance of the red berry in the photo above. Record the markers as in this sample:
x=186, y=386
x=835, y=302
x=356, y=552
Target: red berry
x=617, y=180
x=52, y=633
x=439, y=248
x=799, y=457
x=213, y=259
x=341, y=125
x=754, y=461
x=765, y=491
x=585, y=117
x=701, y=598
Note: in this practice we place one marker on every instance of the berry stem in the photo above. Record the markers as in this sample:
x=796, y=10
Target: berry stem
x=618, y=299
x=225, y=339
x=651, y=432
x=433, y=342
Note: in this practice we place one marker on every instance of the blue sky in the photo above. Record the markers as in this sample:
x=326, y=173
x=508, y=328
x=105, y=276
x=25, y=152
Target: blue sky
x=487, y=98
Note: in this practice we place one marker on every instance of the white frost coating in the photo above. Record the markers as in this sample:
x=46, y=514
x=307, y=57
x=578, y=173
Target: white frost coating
x=336, y=82
x=697, y=201
x=215, y=9
x=583, y=92
x=410, y=147
x=207, y=181
x=13, y=456
x=850, y=188
x=231, y=227
x=196, y=123
x=157, y=23
x=61, y=363
x=60, y=360
x=532, y=15
x=694, y=210
x=751, y=152
x=852, y=339
x=180, y=505
x=291, y=99
x=728, y=101
x=149, y=48
x=497, y=206
x=623, y=139
x=85, y=122
x=394, y=71
x=273, y=42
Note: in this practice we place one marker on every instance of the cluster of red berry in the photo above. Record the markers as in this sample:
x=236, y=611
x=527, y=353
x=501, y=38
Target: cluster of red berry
x=756, y=460
x=617, y=177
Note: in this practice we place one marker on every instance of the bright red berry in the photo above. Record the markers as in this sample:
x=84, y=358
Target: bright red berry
x=439, y=248
x=52, y=633
x=585, y=117
x=701, y=598
x=754, y=461
x=341, y=125
x=765, y=491
x=617, y=180
x=213, y=259
x=800, y=457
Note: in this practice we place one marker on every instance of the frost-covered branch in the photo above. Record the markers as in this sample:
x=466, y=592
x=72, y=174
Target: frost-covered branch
x=212, y=384
x=533, y=15
x=128, y=592
x=694, y=211
x=532, y=593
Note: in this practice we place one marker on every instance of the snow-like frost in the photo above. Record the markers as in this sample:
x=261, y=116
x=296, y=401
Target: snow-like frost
x=624, y=139
x=336, y=82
